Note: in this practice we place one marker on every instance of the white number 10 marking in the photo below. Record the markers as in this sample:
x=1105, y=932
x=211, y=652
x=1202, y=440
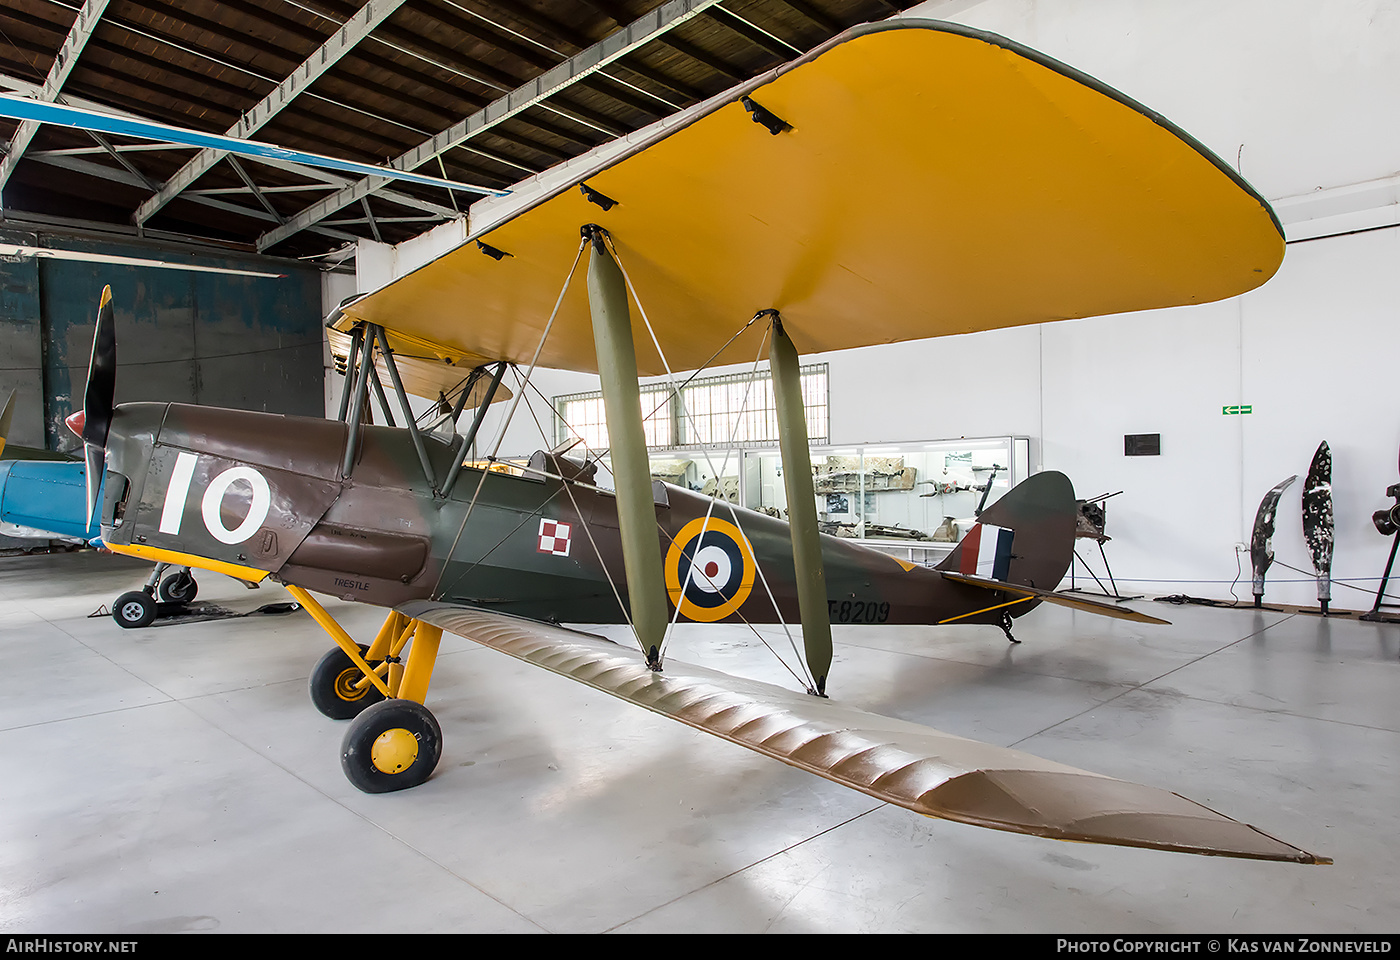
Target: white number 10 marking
x=178, y=491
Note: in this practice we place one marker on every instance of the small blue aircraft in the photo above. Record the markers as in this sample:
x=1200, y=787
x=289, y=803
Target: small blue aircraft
x=46, y=499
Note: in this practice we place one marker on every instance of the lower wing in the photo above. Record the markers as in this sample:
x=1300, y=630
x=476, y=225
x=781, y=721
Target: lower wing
x=924, y=770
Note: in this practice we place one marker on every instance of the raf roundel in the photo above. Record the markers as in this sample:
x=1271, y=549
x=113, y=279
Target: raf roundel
x=710, y=570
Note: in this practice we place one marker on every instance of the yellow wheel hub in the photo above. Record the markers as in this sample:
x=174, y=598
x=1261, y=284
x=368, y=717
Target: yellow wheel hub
x=394, y=751
x=346, y=685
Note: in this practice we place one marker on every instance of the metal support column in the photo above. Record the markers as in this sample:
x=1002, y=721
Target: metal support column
x=801, y=504
x=622, y=404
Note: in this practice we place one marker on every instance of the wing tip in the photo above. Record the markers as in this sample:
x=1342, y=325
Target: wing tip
x=1088, y=808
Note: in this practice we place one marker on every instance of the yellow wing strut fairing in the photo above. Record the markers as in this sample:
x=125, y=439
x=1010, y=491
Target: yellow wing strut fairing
x=924, y=770
x=934, y=180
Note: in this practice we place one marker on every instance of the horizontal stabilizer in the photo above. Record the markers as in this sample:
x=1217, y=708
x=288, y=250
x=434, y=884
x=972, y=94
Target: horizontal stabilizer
x=933, y=773
x=1076, y=603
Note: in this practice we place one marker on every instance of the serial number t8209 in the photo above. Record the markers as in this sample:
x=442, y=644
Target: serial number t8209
x=857, y=611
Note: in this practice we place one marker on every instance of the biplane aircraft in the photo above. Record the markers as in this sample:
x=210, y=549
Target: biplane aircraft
x=906, y=180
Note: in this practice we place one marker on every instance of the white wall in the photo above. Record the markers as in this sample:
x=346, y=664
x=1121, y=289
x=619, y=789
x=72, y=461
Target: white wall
x=335, y=287
x=1303, y=96
x=1298, y=94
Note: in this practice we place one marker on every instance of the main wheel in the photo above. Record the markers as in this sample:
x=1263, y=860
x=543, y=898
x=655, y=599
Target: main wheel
x=134, y=609
x=393, y=745
x=332, y=686
x=178, y=588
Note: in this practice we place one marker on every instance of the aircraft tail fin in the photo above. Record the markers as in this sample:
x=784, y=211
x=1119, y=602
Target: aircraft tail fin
x=1026, y=538
x=1022, y=545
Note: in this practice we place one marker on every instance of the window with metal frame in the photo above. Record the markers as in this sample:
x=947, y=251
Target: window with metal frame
x=736, y=407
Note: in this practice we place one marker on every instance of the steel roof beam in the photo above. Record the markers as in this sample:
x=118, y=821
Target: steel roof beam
x=224, y=191
x=63, y=63
x=120, y=147
x=26, y=88
x=371, y=15
x=369, y=216
x=542, y=55
x=334, y=180
x=258, y=194
x=106, y=145
x=91, y=169
x=611, y=48
x=812, y=15
x=754, y=34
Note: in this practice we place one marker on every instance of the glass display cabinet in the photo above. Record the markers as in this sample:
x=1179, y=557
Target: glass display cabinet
x=913, y=500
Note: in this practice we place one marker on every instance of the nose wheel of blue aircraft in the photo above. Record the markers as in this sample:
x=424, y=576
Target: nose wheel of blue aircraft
x=393, y=745
x=140, y=608
x=339, y=688
x=135, y=609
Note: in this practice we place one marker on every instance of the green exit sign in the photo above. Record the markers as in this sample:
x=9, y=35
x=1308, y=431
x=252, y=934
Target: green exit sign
x=1236, y=410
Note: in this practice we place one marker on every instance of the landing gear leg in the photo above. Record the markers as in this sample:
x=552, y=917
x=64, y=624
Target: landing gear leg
x=179, y=587
x=154, y=578
x=394, y=742
x=1006, y=626
x=340, y=690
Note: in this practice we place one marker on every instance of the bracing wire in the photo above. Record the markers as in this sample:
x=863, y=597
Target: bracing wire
x=679, y=398
x=567, y=486
x=515, y=402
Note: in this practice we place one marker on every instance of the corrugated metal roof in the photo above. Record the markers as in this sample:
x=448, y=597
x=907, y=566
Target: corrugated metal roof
x=429, y=65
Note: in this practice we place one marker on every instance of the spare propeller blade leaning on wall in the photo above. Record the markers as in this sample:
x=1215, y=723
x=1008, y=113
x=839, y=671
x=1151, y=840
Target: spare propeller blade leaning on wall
x=1318, y=527
x=1261, y=541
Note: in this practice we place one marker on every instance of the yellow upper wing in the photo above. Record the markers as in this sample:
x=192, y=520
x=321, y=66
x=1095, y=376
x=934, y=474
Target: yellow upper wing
x=936, y=180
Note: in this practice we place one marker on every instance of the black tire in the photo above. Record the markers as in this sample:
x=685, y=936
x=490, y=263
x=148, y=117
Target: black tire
x=178, y=588
x=409, y=750
x=134, y=609
x=332, y=686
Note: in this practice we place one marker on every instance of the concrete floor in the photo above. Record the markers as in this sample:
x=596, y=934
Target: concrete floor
x=177, y=778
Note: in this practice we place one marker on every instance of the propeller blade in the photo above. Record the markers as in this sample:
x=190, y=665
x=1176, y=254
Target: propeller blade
x=98, y=400
x=96, y=458
x=102, y=375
